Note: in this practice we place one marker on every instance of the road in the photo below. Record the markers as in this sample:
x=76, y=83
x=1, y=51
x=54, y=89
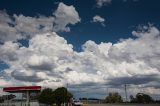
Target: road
x=123, y=105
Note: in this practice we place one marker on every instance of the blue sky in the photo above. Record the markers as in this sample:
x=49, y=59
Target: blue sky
x=89, y=44
x=121, y=17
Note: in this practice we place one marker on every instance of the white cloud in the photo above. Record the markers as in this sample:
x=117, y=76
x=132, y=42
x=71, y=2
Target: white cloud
x=8, y=51
x=17, y=27
x=54, y=61
x=30, y=26
x=40, y=62
x=7, y=32
x=101, y=3
x=51, y=61
x=99, y=19
x=65, y=15
x=26, y=75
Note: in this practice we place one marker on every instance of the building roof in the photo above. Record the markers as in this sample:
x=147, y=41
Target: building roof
x=22, y=89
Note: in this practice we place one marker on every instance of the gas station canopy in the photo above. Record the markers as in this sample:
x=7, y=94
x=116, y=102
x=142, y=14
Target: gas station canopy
x=22, y=89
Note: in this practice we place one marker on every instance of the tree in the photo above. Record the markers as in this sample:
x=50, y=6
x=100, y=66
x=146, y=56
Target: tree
x=46, y=96
x=114, y=98
x=61, y=95
x=141, y=98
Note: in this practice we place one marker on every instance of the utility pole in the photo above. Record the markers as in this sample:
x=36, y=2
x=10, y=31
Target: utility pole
x=8, y=99
x=28, y=98
x=125, y=87
x=67, y=92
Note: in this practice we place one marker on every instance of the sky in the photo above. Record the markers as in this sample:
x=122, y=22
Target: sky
x=96, y=46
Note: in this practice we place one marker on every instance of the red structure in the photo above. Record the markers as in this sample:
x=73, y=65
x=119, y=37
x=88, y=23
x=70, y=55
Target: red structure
x=23, y=89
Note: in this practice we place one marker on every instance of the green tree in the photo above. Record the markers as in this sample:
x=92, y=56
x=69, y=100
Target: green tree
x=114, y=98
x=46, y=96
x=143, y=98
x=61, y=95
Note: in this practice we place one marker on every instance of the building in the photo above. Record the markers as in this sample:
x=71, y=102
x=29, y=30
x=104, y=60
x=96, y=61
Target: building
x=28, y=100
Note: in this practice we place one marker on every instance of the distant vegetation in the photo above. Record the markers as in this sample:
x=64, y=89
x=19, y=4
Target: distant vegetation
x=62, y=95
x=139, y=98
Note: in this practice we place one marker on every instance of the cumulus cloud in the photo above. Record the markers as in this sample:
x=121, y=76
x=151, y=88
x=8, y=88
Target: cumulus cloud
x=49, y=60
x=98, y=19
x=61, y=13
x=40, y=62
x=17, y=27
x=30, y=26
x=26, y=75
x=8, y=51
x=7, y=31
x=53, y=62
x=101, y=3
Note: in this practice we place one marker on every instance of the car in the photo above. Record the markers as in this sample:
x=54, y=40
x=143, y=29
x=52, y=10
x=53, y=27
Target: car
x=77, y=103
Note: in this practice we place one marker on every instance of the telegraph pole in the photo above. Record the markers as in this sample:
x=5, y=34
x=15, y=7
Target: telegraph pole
x=67, y=93
x=125, y=87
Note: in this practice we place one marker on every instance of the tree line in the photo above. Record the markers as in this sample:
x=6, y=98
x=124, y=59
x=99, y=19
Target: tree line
x=62, y=95
x=139, y=98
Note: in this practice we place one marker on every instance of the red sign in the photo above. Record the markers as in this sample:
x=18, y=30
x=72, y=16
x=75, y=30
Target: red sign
x=21, y=89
